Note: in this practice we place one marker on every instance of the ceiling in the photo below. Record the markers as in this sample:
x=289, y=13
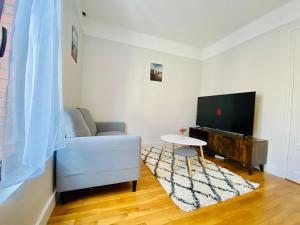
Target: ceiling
x=198, y=23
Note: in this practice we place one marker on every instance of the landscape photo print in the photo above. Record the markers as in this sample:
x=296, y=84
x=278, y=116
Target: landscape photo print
x=156, y=72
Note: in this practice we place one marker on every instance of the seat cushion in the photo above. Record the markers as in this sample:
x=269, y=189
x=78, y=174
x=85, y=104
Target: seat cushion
x=75, y=125
x=110, y=133
x=89, y=120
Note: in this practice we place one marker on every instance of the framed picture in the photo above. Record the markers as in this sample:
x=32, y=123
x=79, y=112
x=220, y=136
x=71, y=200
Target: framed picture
x=1, y=7
x=156, y=72
x=74, y=50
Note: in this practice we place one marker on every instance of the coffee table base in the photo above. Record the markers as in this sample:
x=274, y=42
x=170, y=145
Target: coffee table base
x=187, y=153
x=173, y=148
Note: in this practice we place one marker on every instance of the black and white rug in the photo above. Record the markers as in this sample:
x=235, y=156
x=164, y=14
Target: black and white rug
x=208, y=185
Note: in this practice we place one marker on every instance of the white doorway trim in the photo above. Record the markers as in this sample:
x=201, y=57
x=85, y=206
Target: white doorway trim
x=289, y=106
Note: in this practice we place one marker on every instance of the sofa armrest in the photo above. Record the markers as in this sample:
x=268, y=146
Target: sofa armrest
x=111, y=126
x=92, y=154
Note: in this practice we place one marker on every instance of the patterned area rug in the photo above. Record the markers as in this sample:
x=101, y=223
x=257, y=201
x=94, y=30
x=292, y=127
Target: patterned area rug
x=209, y=184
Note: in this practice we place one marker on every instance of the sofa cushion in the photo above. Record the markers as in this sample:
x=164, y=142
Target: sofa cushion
x=110, y=133
x=89, y=120
x=75, y=125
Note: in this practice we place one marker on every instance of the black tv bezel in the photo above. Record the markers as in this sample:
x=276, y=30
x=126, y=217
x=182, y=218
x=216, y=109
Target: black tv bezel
x=228, y=131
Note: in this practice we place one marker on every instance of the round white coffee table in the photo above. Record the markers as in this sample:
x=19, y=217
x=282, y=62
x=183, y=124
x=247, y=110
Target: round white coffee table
x=182, y=140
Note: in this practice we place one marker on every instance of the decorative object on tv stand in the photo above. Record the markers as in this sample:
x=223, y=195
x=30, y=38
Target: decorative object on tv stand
x=74, y=50
x=182, y=131
x=156, y=72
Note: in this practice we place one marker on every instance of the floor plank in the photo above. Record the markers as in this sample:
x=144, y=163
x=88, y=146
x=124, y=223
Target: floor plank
x=277, y=201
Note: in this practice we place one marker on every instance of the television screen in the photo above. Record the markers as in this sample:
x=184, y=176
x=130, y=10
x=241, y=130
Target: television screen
x=231, y=112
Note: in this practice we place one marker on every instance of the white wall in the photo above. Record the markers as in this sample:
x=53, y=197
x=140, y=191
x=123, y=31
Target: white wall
x=27, y=205
x=261, y=65
x=71, y=70
x=116, y=86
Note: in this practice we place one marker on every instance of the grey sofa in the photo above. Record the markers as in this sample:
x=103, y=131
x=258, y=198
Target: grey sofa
x=96, y=153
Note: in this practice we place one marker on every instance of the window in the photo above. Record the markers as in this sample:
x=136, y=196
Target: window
x=33, y=101
x=6, y=21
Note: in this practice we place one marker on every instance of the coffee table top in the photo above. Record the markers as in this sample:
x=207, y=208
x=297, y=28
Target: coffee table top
x=182, y=140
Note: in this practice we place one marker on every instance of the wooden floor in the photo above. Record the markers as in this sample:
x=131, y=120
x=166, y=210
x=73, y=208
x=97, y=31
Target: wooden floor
x=277, y=201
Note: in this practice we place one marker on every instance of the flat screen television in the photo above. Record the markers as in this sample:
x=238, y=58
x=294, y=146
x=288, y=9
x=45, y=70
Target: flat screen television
x=230, y=112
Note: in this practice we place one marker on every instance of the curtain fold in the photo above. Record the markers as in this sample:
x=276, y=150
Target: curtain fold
x=33, y=124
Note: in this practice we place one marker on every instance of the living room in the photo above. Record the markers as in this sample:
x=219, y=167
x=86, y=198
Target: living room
x=212, y=49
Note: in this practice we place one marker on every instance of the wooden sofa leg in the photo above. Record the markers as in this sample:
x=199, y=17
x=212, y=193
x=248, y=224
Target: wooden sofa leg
x=134, y=183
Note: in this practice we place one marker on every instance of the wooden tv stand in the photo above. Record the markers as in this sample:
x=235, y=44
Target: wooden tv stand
x=247, y=151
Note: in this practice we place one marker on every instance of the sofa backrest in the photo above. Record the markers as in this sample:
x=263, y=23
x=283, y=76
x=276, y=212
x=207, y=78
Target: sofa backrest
x=75, y=124
x=89, y=120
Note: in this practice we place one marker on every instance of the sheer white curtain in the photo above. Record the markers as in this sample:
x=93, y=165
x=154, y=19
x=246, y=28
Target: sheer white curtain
x=33, y=124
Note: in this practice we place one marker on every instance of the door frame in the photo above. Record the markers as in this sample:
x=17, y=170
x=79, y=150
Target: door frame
x=290, y=102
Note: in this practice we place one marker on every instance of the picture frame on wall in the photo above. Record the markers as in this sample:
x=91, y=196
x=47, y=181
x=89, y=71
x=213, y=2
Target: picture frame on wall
x=3, y=32
x=74, y=48
x=156, y=71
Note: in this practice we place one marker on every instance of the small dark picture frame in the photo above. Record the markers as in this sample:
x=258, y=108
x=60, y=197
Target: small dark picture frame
x=156, y=72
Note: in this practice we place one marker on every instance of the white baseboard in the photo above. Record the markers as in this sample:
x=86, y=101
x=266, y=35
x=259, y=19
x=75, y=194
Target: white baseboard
x=276, y=171
x=47, y=210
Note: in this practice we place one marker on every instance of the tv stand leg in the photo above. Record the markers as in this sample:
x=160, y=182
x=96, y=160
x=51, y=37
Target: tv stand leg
x=250, y=170
x=261, y=167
